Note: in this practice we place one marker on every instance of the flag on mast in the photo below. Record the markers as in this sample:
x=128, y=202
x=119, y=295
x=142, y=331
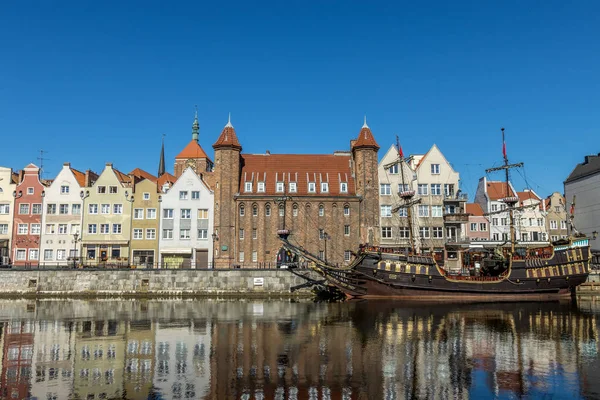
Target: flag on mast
x=504, y=148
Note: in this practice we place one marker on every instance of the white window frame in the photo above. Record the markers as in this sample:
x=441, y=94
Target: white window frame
x=248, y=187
x=183, y=195
x=101, y=189
x=324, y=187
x=146, y=196
x=386, y=232
x=168, y=213
x=138, y=233
x=150, y=233
x=321, y=210
x=473, y=226
x=150, y=213
x=75, y=209
x=293, y=187
x=280, y=187
x=423, y=211
x=24, y=209
x=346, y=230
x=423, y=189
x=92, y=209
x=117, y=209
x=167, y=234
x=195, y=195
x=48, y=254
x=64, y=189
x=385, y=189
x=437, y=211
x=435, y=169
x=30, y=190
x=202, y=234
x=4, y=209
x=186, y=213
x=92, y=229
x=36, y=209
x=482, y=227
x=138, y=213
x=312, y=187
x=385, y=211
x=105, y=209
x=63, y=229
x=3, y=229
x=261, y=187
x=104, y=229
x=19, y=257
x=436, y=189
x=113, y=190
x=343, y=187
x=241, y=256
x=22, y=229
x=346, y=211
x=184, y=234
x=117, y=229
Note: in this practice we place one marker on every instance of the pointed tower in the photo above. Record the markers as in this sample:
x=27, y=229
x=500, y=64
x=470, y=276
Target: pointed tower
x=226, y=183
x=193, y=155
x=364, y=153
x=161, y=163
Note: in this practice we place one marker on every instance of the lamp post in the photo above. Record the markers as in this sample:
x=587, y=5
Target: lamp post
x=215, y=238
x=84, y=194
x=17, y=195
x=76, y=239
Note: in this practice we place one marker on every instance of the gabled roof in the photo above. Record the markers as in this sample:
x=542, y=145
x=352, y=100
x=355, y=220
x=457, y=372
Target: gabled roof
x=15, y=177
x=228, y=138
x=192, y=150
x=527, y=195
x=590, y=166
x=164, y=178
x=474, y=209
x=299, y=168
x=79, y=176
x=497, y=190
x=140, y=173
x=365, y=138
x=123, y=178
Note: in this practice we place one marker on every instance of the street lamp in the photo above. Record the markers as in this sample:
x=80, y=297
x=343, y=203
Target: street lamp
x=76, y=239
x=215, y=238
x=17, y=195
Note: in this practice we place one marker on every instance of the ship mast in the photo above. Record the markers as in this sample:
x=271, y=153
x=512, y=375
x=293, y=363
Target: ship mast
x=406, y=194
x=509, y=200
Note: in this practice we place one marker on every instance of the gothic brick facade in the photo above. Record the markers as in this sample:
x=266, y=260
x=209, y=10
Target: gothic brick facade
x=329, y=203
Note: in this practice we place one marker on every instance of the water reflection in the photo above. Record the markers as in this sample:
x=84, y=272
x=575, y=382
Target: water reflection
x=73, y=349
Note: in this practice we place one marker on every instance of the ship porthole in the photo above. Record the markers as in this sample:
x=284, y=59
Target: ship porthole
x=518, y=281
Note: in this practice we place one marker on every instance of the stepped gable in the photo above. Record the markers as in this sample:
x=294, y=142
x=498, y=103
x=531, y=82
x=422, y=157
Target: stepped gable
x=299, y=168
x=365, y=138
x=497, y=190
x=474, y=209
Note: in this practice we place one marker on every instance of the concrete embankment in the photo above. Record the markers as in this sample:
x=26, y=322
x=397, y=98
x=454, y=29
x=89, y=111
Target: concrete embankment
x=150, y=283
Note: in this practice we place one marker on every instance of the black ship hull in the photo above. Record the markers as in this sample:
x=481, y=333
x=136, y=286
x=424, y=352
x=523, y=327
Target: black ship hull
x=381, y=275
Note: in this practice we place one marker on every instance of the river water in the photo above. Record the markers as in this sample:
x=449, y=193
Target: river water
x=281, y=349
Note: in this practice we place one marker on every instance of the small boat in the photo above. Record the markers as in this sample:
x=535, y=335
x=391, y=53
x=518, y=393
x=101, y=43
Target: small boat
x=506, y=273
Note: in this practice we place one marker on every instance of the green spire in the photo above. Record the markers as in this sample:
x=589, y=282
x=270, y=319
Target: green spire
x=195, y=127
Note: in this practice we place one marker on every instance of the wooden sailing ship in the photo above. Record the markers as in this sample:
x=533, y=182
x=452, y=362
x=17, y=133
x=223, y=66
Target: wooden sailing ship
x=508, y=273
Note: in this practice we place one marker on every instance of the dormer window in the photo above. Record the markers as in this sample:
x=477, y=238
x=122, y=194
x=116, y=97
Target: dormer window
x=280, y=187
x=324, y=187
x=293, y=187
x=261, y=187
x=248, y=187
x=312, y=187
x=344, y=187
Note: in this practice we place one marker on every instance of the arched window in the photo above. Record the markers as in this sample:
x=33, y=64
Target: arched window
x=281, y=210
x=321, y=210
x=242, y=210
x=295, y=210
x=254, y=210
x=346, y=210
x=268, y=210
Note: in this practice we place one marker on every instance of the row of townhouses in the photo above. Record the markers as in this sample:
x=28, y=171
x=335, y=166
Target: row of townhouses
x=227, y=212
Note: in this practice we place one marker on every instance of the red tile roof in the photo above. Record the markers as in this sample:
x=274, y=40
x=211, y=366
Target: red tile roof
x=192, y=150
x=140, y=173
x=228, y=138
x=527, y=195
x=79, y=177
x=299, y=168
x=497, y=190
x=474, y=209
x=366, y=138
x=123, y=178
x=15, y=177
x=164, y=178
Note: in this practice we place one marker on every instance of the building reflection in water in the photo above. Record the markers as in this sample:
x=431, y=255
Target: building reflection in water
x=282, y=350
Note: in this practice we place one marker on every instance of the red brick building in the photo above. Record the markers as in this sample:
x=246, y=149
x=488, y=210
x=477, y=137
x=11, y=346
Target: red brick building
x=328, y=202
x=27, y=224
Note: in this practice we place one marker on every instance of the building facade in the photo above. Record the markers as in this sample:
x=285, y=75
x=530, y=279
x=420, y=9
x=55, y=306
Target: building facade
x=478, y=226
x=489, y=196
x=107, y=211
x=145, y=223
x=27, y=223
x=556, y=217
x=7, y=187
x=186, y=223
x=328, y=204
x=582, y=187
x=61, y=220
x=530, y=220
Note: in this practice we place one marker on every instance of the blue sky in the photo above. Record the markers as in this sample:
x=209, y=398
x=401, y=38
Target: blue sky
x=91, y=82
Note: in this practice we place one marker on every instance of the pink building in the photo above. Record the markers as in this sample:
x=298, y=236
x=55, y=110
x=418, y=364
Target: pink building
x=27, y=223
x=478, y=225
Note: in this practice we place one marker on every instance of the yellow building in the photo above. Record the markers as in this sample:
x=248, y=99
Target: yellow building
x=139, y=358
x=145, y=222
x=107, y=219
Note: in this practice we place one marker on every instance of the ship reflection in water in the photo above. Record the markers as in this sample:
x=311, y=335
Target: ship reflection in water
x=209, y=349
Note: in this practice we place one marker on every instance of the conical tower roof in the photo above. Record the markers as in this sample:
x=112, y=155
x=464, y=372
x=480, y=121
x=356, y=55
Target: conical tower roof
x=228, y=138
x=365, y=138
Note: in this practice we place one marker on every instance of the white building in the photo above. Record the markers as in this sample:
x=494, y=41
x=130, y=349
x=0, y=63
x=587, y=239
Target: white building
x=583, y=185
x=186, y=224
x=182, y=359
x=61, y=219
x=489, y=196
x=7, y=201
x=531, y=220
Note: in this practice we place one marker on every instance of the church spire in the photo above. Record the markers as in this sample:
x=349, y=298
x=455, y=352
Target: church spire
x=195, y=127
x=161, y=163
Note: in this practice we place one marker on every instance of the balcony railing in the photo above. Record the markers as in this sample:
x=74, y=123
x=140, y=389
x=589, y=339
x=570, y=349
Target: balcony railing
x=456, y=197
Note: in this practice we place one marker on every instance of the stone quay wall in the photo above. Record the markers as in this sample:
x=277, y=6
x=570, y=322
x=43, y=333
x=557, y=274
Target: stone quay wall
x=151, y=283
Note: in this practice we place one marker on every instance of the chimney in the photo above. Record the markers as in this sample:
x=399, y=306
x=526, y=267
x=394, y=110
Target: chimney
x=268, y=152
x=109, y=164
x=586, y=160
x=67, y=164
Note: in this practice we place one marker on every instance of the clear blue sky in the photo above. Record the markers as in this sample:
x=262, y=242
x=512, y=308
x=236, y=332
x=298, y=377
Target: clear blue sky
x=97, y=81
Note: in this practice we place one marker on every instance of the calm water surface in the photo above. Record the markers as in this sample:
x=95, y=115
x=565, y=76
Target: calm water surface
x=212, y=349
